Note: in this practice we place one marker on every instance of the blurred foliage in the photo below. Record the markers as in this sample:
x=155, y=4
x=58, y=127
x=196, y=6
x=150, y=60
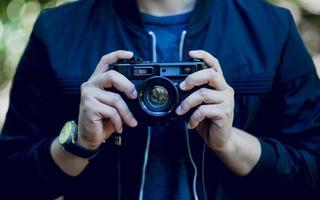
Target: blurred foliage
x=16, y=21
x=17, y=18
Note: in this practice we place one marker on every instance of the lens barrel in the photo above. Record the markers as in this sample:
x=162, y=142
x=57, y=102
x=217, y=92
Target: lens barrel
x=158, y=96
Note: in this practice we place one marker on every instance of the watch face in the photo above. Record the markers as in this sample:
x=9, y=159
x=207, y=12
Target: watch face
x=65, y=133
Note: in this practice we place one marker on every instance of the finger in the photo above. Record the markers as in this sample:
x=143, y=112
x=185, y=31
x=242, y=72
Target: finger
x=111, y=58
x=108, y=129
x=203, y=77
x=116, y=101
x=205, y=111
x=115, y=79
x=110, y=113
x=211, y=61
x=203, y=95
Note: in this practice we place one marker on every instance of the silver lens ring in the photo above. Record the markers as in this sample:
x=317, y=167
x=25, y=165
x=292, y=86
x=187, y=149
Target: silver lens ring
x=158, y=96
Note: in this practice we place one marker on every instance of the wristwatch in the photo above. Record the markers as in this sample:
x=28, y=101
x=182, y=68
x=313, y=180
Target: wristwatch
x=68, y=140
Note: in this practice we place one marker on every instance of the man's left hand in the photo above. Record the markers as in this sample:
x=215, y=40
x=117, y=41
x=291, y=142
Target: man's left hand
x=213, y=117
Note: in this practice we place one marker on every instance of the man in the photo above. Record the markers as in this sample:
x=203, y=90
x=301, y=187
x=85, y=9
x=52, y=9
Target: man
x=253, y=135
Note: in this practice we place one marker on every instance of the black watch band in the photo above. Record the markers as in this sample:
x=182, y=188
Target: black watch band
x=72, y=147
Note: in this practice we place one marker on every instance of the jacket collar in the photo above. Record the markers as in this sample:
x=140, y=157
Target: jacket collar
x=128, y=10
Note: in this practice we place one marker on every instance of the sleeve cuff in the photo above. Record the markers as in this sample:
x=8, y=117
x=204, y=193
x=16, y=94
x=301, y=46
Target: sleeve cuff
x=48, y=168
x=267, y=162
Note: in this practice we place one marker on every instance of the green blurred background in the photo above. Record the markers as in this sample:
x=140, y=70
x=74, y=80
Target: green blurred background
x=17, y=18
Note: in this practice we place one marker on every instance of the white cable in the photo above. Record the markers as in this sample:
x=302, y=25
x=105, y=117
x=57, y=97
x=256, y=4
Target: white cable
x=145, y=162
x=203, y=172
x=183, y=36
x=194, y=185
x=154, y=47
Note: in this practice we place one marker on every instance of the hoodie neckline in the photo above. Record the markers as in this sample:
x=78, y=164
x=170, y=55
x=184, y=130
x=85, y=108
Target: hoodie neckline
x=129, y=12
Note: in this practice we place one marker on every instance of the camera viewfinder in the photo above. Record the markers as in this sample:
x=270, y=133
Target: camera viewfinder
x=143, y=71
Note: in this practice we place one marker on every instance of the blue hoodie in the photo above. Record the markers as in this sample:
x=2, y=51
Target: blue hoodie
x=277, y=99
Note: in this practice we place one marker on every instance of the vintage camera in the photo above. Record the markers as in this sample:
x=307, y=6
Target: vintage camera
x=158, y=87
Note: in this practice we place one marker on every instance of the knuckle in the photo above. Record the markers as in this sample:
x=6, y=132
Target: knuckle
x=84, y=86
x=231, y=90
x=86, y=104
x=201, y=111
x=117, y=99
x=213, y=72
x=203, y=93
x=186, y=103
x=216, y=61
x=226, y=113
x=85, y=96
x=113, y=112
x=113, y=76
x=206, y=55
x=192, y=119
x=127, y=114
x=189, y=79
x=104, y=59
x=109, y=74
x=91, y=121
x=228, y=104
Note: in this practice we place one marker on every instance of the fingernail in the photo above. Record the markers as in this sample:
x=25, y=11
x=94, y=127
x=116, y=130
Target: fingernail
x=178, y=110
x=134, y=123
x=183, y=85
x=189, y=126
x=120, y=131
x=134, y=94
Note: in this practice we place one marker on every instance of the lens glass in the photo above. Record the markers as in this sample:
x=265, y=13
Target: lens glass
x=158, y=96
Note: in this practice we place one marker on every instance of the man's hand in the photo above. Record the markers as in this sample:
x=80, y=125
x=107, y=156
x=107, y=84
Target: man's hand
x=103, y=112
x=213, y=117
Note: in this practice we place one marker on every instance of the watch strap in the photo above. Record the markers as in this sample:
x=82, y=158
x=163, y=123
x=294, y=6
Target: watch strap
x=72, y=147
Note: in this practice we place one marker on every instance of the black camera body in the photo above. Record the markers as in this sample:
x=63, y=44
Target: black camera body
x=158, y=88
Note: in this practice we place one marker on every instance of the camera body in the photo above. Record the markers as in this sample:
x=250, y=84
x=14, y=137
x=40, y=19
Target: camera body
x=158, y=88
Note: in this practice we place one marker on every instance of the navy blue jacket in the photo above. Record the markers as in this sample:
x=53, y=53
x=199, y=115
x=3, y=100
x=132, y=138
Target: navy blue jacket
x=262, y=56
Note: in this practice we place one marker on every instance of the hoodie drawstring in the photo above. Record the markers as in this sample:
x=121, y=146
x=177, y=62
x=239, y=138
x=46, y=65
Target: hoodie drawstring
x=145, y=162
x=154, y=46
x=181, y=45
x=146, y=153
x=194, y=183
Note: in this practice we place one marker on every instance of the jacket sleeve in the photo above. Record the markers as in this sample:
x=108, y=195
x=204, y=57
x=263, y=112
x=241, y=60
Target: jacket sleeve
x=27, y=168
x=291, y=159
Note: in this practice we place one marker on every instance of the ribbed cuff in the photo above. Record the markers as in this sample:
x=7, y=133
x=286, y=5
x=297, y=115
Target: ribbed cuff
x=266, y=165
x=48, y=168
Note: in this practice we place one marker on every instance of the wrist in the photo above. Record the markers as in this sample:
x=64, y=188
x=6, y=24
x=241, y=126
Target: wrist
x=230, y=146
x=68, y=140
x=83, y=142
x=241, y=153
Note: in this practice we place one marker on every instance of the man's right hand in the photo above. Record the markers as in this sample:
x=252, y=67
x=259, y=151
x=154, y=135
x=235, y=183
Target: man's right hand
x=103, y=112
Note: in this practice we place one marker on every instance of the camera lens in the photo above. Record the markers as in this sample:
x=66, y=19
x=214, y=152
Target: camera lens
x=158, y=96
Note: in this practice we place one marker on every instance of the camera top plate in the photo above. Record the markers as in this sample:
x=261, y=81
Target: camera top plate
x=139, y=69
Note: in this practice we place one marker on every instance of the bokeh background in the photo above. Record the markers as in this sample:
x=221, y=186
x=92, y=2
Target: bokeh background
x=18, y=16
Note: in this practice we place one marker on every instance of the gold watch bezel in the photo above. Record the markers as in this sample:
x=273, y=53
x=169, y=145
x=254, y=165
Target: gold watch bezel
x=66, y=133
